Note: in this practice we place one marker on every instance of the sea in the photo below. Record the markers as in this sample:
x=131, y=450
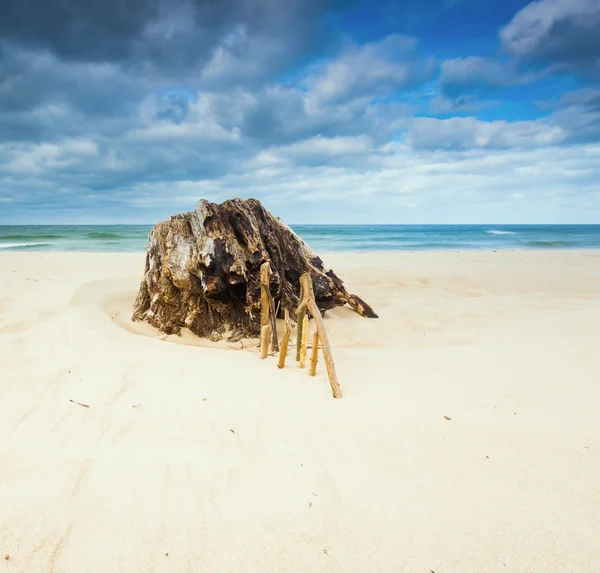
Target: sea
x=321, y=238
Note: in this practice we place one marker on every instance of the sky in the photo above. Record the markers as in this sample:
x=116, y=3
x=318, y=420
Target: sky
x=328, y=111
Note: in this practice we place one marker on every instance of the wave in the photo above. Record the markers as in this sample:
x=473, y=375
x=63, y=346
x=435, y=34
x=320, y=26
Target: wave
x=103, y=235
x=501, y=232
x=26, y=237
x=22, y=245
x=540, y=244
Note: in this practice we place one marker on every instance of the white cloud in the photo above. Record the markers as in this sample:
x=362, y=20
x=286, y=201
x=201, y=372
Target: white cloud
x=390, y=183
x=328, y=146
x=471, y=133
x=38, y=159
x=371, y=69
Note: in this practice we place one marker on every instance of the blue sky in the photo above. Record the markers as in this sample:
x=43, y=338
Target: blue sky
x=328, y=111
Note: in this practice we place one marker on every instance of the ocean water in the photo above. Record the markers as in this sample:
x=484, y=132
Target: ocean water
x=322, y=238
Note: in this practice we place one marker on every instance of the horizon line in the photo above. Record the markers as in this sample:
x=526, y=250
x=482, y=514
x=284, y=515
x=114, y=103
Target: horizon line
x=319, y=224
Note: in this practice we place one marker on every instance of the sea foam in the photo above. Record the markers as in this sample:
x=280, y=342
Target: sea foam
x=21, y=245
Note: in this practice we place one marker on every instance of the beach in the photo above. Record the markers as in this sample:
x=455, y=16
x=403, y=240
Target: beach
x=467, y=438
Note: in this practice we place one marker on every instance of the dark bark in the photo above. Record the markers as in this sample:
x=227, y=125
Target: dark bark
x=203, y=271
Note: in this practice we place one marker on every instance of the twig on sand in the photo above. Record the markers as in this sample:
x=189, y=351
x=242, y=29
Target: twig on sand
x=79, y=403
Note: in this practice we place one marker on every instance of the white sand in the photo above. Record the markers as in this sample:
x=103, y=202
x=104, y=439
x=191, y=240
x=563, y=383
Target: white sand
x=228, y=464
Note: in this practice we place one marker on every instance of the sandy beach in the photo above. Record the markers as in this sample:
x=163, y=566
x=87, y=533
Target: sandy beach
x=467, y=440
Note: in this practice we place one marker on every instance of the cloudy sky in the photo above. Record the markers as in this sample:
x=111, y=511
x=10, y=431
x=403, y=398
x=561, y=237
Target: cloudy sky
x=328, y=111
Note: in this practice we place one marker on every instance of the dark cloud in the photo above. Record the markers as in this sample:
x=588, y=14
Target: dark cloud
x=166, y=34
x=280, y=116
x=77, y=29
x=58, y=98
x=559, y=34
x=74, y=67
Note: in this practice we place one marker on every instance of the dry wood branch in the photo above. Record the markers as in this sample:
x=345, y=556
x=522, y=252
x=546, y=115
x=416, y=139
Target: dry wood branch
x=265, y=336
x=307, y=290
x=274, y=341
x=315, y=354
x=268, y=314
x=265, y=307
x=287, y=333
x=284, y=346
x=303, y=341
x=300, y=313
x=79, y=403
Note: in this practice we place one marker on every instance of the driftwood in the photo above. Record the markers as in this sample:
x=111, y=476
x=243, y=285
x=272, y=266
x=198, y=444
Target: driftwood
x=203, y=272
x=303, y=341
x=300, y=316
x=314, y=358
x=265, y=336
x=267, y=306
x=310, y=304
x=287, y=333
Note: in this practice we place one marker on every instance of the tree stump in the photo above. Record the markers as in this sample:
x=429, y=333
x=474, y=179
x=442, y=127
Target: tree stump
x=203, y=272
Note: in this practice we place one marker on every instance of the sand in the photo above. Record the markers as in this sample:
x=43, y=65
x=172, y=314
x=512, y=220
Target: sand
x=192, y=458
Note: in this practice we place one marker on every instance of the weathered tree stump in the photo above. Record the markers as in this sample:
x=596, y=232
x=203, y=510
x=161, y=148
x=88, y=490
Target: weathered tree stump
x=203, y=272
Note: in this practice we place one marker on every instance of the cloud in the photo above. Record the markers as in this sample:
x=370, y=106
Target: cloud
x=335, y=97
x=326, y=151
x=174, y=105
x=81, y=30
x=545, y=37
x=133, y=111
x=330, y=146
x=474, y=74
x=465, y=81
x=393, y=183
x=42, y=96
x=559, y=34
x=396, y=183
x=461, y=133
x=371, y=70
x=99, y=63
x=578, y=114
x=167, y=35
x=463, y=104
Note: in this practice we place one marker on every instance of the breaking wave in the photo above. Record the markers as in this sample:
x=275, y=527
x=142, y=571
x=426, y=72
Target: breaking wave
x=22, y=245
